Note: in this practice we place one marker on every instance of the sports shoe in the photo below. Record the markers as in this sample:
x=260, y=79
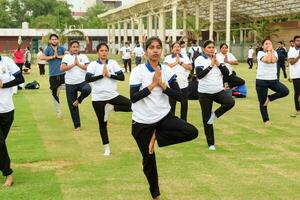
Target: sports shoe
x=212, y=148
x=212, y=118
x=106, y=150
x=107, y=109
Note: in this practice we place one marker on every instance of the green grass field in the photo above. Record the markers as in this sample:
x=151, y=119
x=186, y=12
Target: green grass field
x=53, y=162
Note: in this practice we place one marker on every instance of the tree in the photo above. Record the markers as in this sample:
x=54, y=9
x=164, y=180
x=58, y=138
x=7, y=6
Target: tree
x=91, y=20
x=262, y=30
x=5, y=20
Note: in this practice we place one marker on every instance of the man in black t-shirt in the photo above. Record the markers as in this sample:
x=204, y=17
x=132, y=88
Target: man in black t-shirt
x=282, y=55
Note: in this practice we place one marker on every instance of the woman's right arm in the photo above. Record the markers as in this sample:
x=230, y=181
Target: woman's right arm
x=91, y=78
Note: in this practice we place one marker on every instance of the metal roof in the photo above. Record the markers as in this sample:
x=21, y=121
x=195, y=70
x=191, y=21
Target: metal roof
x=241, y=10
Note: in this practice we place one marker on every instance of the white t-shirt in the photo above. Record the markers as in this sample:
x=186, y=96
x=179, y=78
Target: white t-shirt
x=266, y=71
x=213, y=81
x=7, y=69
x=155, y=106
x=183, y=52
x=126, y=52
x=250, y=53
x=220, y=58
x=38, y=56
x=138, y=51
x=194, y=49
x=180, y=71
x=75, y=75
x=105, y=88
x=295, y=68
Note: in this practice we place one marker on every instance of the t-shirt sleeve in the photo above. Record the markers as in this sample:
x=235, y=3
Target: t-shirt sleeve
x=260, y=55
x=135, y=78
x=170, y=75
x=292, y=54
x=47, y=51
x=186, y=60
x=91, y=68
x=199, y=62
x=65, y=60
x=85, y=60
x=12, y=67
x=116, y=67
x=167, y=60
x=232, y=57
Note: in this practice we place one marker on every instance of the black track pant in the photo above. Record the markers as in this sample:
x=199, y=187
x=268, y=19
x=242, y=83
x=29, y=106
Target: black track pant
x=55, y=82
x=262, y=87
x=183, y=102
x=169, y=130
x=72, y=95
x=120, y=103
x=6, y=120
x=42, y=69
x=296, y=83
x=281, y=65
x=127, y=63
x=206, y=103
x=250, y=62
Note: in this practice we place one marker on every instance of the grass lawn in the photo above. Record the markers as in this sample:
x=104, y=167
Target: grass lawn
x=252, y=161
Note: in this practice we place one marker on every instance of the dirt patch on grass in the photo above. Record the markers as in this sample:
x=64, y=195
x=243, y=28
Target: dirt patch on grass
x=46, y=165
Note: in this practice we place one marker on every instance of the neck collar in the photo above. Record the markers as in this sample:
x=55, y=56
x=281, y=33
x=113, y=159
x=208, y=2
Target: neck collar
x=174, y=55
x=150, y=68
x=100, y=62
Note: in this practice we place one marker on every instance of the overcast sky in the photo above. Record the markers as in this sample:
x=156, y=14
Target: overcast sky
x=78, y=5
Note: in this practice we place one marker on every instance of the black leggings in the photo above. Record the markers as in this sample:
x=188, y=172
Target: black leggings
x=206, y=103
x=120, y=103
x=20, y=65
x=262, y=87
x=42, y=69
x=281, y=65
x=169, y=130
x=6, y=120
x=250, y=62
x=127, y=62
x=296, y=83
x=55, y=82
x=183, y=102
x=234, y=81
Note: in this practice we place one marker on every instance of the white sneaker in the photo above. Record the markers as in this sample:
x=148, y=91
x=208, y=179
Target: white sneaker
x=212, y=148
x=107, y=109
x=106, y=150
x=212, y=118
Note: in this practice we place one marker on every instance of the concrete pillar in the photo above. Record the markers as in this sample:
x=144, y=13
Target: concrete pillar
x=162, y=29
x=113, y=35
x=211, y=20
x=119, y=35
x=228, y=21
x=132, y=31
x=155, y=25
x=141, y=31
x=241, y=36
x=197, y=14
x=125, y=32
x=174, y=22
x=150, y=26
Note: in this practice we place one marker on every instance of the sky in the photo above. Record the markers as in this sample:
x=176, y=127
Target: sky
x=79, y=6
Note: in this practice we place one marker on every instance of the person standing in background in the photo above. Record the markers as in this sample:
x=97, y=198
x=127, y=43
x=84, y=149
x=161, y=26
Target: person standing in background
x=282, y=56
x=250, y=57
x=139, y=53
x=41, y=62
x=19, y=57
x=27, y=56
x=125, y=51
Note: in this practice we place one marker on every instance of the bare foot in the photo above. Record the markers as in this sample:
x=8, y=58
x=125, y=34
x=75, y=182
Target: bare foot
x=267, y=101
x=268, y=122
x=76, y=103
x=9, y=181
x=157, y=198
x=152, y=143
x=77, y=129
